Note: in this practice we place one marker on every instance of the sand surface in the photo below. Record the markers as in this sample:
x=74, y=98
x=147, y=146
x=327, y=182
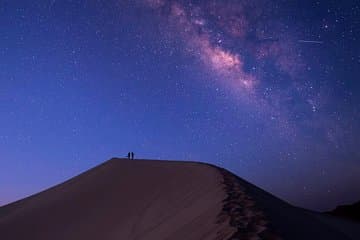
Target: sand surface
x=146, y=199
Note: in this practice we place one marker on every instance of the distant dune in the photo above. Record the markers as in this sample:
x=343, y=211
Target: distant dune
x=154, y=200
x=351, y=211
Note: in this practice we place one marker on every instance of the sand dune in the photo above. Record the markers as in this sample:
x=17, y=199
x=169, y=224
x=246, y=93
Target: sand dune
x=351, y=211
x=146, y=199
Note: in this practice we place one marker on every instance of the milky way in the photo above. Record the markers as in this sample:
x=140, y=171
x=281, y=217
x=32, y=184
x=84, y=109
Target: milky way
x=238, y=41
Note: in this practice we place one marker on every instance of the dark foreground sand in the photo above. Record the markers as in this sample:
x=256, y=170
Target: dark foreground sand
x=154, y=200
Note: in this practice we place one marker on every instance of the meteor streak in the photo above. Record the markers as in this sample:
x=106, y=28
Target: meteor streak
x=310, y=41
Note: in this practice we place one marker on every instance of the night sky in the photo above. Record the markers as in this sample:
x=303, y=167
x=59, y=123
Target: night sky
x=267, y=89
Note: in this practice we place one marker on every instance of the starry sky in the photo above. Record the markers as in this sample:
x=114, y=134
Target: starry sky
x=267, y=89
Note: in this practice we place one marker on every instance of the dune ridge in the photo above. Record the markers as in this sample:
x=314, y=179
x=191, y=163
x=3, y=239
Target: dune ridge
x=250, y=222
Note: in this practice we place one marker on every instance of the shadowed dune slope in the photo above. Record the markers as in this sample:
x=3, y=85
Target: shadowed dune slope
x=146, y=199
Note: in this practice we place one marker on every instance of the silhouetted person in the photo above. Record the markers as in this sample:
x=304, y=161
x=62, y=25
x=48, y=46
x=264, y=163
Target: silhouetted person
x=132, y=155
x=128, y=155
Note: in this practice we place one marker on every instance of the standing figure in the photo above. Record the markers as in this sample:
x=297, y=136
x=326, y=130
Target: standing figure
x=132, y=155
x=128, y=155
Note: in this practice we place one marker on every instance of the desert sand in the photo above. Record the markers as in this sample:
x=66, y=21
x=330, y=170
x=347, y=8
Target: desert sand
x=147, y=199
